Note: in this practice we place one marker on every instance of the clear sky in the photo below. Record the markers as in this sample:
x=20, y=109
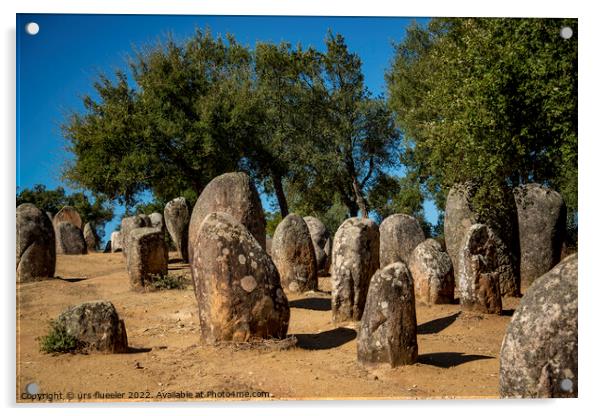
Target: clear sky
x=58, y=65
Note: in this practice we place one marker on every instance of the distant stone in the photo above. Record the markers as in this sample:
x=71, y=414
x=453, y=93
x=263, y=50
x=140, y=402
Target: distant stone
x=36, y=251
x=354, y=261
x=294, y=256
x=69, y=239
x=90, y=237
x=116, y=242
x=107, y=247
x=542, y=229
x=147, y=256
x=97, y=325
x=128, y=224
x=478, y=269
x=268, y=245
x=388, y=327
x=237, y=285
x=68, y=214
x=539, y=352
x=321, y=242
x=177, y=220
x=235, y=194
x=433, y=273
x=156, y=221
x=399, y=235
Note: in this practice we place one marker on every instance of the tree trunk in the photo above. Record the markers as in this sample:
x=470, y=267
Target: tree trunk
x=360, y=199
x=277, y=180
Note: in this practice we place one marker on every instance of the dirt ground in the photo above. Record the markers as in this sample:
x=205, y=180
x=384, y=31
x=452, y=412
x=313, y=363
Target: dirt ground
x=458, y=352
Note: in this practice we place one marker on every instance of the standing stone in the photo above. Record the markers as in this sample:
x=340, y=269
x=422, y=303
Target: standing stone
x=539, y=351
x=237, y=285
x=354, y=259
x=96, y=325
x=90, y=237
x=128, y=224
x=433, y=273
x=107, y=247
x=69, y=239
x=68, y=214
x=177, y=219
x=542, y=229
x=478, y=268
x=116, y=241
x=268, y=245
x=460, y=215
x=294, y=256
x=147, y=256
x=36, y=250
x=388, y=328
x=399, y=235
x=321, y=242
x=235, y=194
x=156, y=221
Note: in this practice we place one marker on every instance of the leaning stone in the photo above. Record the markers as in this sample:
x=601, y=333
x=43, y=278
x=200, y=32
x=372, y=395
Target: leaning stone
x=177, y=219
x=116, y=242
x=433, y=273
x=68, y=214
x=90, y=237
x=128, y=224
x=237, y=285
x=294, y=256
x=36, y=250
x=147, y=256
x=97, y=325
x=354, y=259
x=539, y=351
x=320, y=238
x=388, y=328
x=69, y=239
x=399, y=235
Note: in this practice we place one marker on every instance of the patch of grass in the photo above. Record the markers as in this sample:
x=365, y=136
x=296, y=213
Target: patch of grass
x=167, y=282
x=58, y=340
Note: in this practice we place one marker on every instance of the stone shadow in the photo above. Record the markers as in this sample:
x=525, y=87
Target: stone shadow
x=136, y=350
x=71, y=279
x=315, y=304
x=437, y=325
x=325, y=340
x=449, y=359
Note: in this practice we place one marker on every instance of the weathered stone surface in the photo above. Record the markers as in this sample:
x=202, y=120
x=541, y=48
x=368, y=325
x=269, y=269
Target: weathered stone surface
x=388, y=327
x=478, y=269
x=97, y=325
x=399, y=235
x=147, y=256
x=433, y=273
x=354, y=261
x=177, y=220
x=90, y=238
x=503, y=220
x=145, y=219
x=542, y=229
x=235, y=194
x=539, y=351
x=237, y=285
x=116, y=241
x=128, y=224
x=294, y=256
x=156, y=221
x=320, y=238
x=268, y=245
x=36, y=250
x=67, y=214
x=69, y=239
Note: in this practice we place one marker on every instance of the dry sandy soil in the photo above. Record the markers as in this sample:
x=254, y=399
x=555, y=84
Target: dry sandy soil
x=458, y=358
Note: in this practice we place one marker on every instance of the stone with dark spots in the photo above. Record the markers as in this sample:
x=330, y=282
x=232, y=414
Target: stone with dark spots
x=237, y=285
x=320, y=238
x=388, y=329
x=479, y=273
x=116, y=241
x=96, y=325
x=399, y=235
x=433, y=273
x=147, y=256
x=68, y=214
x=177, y=219
x=235, y=194
x=69, y=239
x=294, y=256
x=542, y=229
x=36, y=250
x=128, y=224
x=539, y=351
x=354, y=261
x=90, y=238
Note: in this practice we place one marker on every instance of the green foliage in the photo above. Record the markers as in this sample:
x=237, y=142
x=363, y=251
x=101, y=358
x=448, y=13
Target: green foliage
x=272, y=220
x=149, y=207
x=58, y=340
x=167, y=282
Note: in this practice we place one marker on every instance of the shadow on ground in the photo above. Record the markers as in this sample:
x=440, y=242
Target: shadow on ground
x=315, y=304
x=437, y=325
x=134, y=350
x=449, y=359
x=325, y=340
x=508, y=312
x=71, y=279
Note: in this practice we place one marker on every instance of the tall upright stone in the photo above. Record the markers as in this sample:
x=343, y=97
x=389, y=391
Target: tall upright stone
x=294, y=256
x=388, y=329
x=320, y=238
x=69, y=239
x=128, y=224
x=156, y=221
x=116, y=242
x=539, y=351
x=237, y=285
x=433, y=273
x=36, y=250
x=542, y=229
x=91, y=238
x=399, y=235
x=354, y=261
x=147, y=256
x=235, y=194
x=68, y=214
x=177, y=220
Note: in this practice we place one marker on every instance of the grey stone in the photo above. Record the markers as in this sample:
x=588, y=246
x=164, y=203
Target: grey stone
x=399, y=235
x=116, y=242
x=156, y=221
x=433, y=273
x=147, y=256
x=68, y=214
x=36, y=250
x=177, y=220
x=388, y=330
x=90, y=238
x=354, y=261
x=237, y=285
x=69, y=239
x=268, y=245
x=539, y=351
x=320, y=239
x=128, y=224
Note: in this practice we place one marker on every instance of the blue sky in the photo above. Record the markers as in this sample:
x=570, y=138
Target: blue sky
x=56, y=67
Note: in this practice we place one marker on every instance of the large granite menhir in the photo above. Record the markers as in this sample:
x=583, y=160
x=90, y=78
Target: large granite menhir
x=399, y=235
x=433, y=273
x=177, y=220
x=322, y=243
x=69, y=239
x=147, y=256
x=36, y=250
